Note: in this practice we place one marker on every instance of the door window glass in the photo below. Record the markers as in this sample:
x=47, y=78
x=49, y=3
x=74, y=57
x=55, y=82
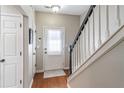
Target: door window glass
x=54, y=42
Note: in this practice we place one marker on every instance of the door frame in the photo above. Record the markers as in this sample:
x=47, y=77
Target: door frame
x=46, y=27
x=20, y=48
x=34, y=52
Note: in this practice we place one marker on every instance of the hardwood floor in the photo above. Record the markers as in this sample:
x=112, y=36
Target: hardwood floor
x=55, y=82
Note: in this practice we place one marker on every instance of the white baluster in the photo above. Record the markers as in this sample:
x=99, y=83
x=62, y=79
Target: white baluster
x=72, y=61
x=91, y=44
x=74, y=58
x=99, y=41
x=93, y=33
x=121, y=14
x=81, y=48
x=89, y=52
x=113, y=19
x=79, y=53
x=118, y=16
x=96, y=27
x=84, y=39
x=76, y=55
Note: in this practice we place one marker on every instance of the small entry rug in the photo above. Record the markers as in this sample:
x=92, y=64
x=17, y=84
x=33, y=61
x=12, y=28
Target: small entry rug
x=53, y=73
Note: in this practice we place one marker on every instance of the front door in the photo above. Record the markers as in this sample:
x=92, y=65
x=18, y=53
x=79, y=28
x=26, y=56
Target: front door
x=11, y=52
x=53, y=48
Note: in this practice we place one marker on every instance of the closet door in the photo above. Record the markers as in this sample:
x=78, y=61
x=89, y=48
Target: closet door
x=11, y=57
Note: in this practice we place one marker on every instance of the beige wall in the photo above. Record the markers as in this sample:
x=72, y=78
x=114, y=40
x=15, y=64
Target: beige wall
x=106, y=72
x=71, y=24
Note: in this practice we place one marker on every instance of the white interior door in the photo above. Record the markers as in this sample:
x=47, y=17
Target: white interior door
x=53, y=50
x=11, y=56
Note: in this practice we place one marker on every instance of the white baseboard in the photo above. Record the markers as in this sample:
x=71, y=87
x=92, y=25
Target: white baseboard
x=31, y=83
x=39, y=71
x=66, y=68
x=68, y=85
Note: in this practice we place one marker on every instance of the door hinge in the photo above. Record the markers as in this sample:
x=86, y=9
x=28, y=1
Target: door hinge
x=20, y=53
x=20, y=81
x=20, y=25
x=35, y=65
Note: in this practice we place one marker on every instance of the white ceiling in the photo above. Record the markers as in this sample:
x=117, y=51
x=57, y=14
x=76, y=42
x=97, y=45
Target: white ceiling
x=65, y=9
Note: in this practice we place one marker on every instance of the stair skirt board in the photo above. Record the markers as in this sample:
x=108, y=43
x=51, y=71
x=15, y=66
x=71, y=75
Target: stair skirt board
x=54, y=73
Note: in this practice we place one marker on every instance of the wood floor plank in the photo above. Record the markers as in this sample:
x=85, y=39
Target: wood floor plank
x=55, y=82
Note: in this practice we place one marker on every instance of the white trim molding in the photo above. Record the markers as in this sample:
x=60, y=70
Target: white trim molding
x=39, y=71
x=66, y=68
x=31, y=83
x=68, y=85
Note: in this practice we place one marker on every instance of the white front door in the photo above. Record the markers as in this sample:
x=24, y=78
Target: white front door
x=11, y=52
x=53, y=49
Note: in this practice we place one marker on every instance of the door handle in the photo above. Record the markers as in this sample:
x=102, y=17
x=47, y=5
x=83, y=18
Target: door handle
x=3, y=60
x=45, y=48
x=45, y=52
x=34, y=53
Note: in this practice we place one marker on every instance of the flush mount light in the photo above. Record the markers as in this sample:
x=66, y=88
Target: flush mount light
x=55, y=8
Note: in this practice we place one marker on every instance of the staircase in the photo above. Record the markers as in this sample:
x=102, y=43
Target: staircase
x=75, y=48
x=101, y=30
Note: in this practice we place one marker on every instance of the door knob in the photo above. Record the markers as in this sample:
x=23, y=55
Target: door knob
x=45, y=48
x=3, y=60
x=45, y=52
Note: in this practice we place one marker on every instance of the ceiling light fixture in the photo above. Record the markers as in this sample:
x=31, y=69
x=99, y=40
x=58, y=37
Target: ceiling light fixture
x=55, y=8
